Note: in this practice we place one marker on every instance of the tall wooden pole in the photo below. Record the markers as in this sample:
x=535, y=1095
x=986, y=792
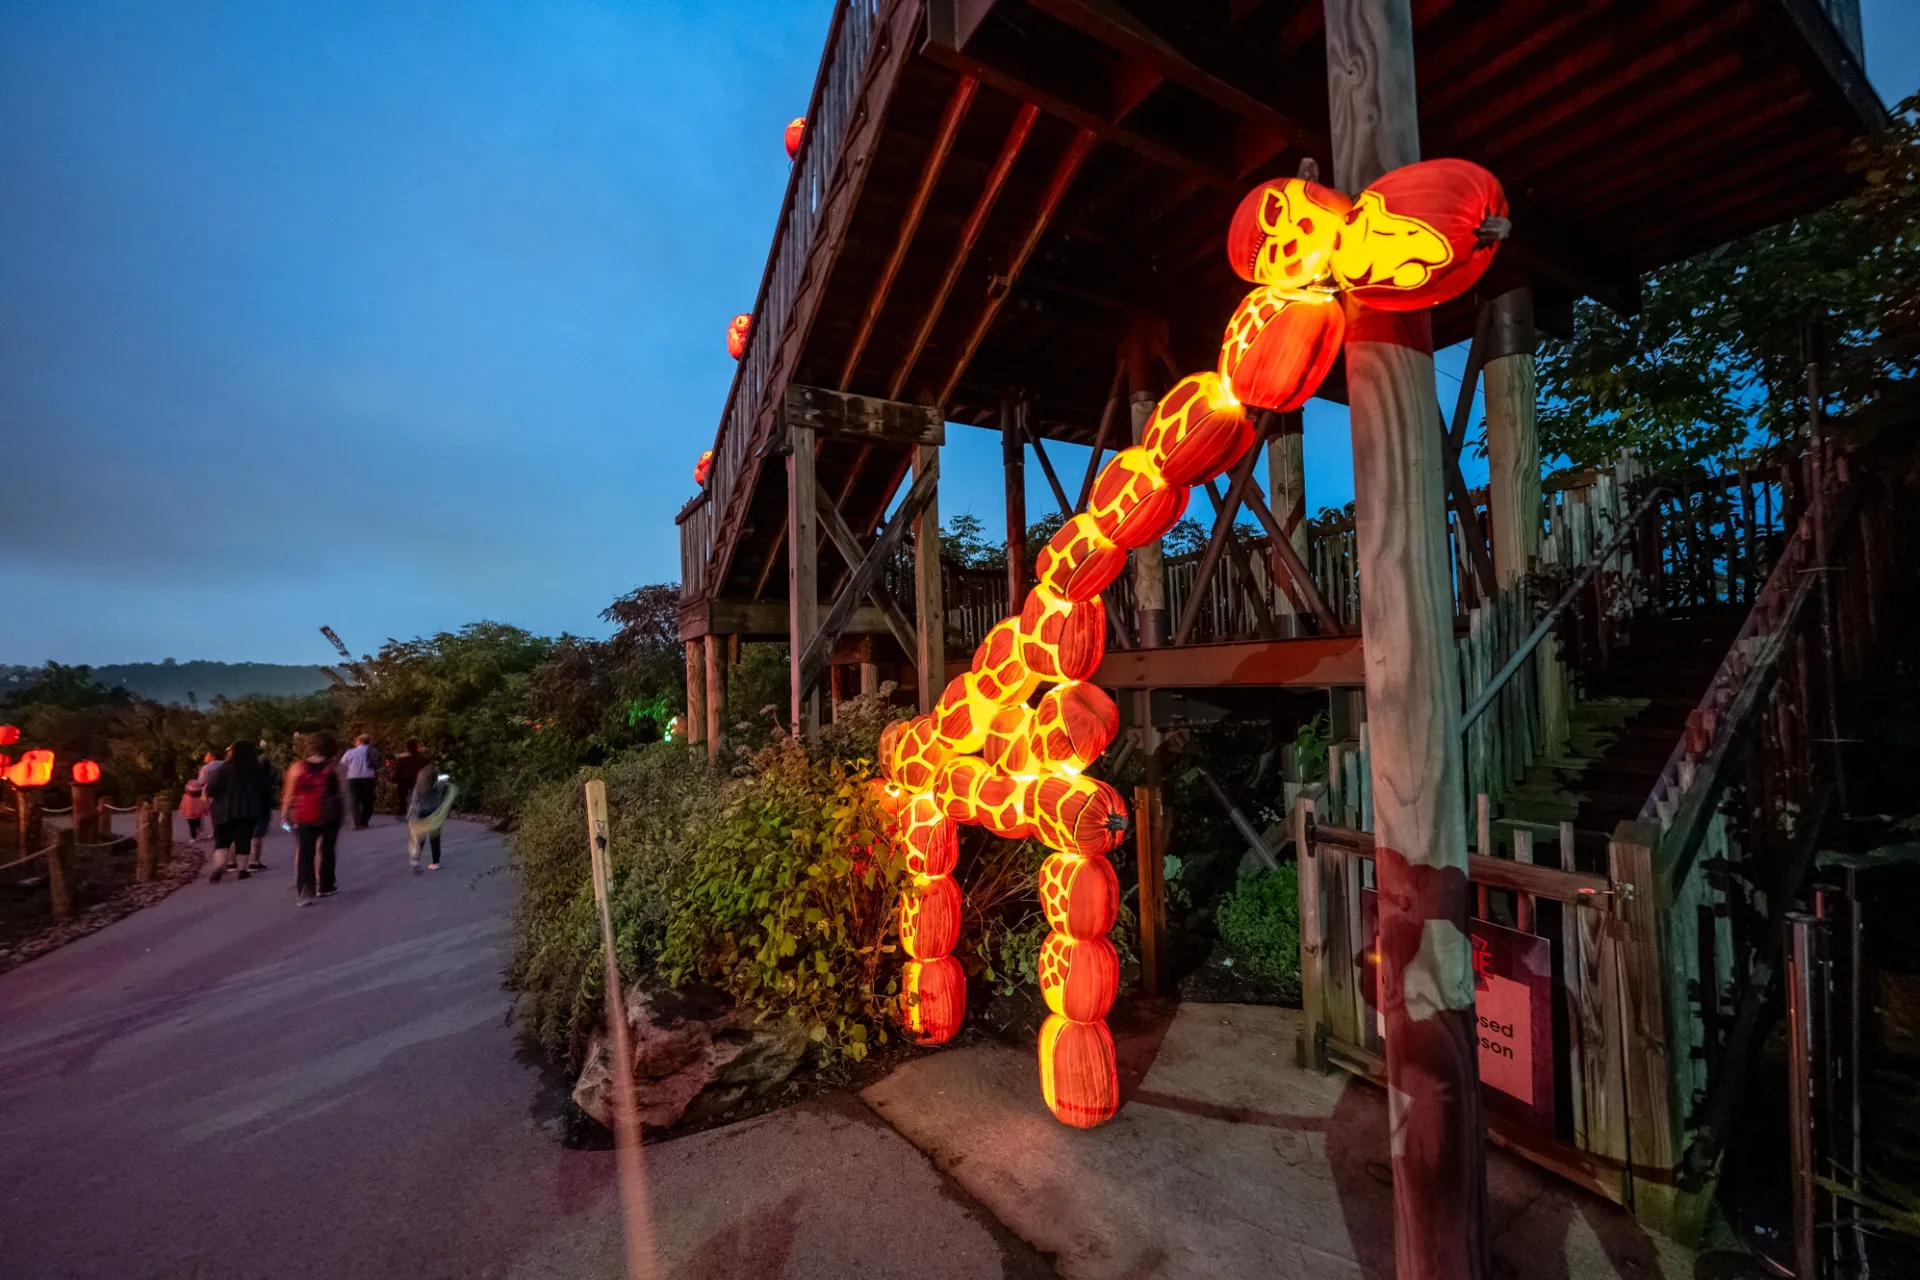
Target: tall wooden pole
x=803, y=576
x=1513, y=440
x=1287, y=480
x=930, y=607
x=716, y=682
x=1149, y=561
x=694, y=727
x=1013, y=464
x=86, y=813
x=1413, y=694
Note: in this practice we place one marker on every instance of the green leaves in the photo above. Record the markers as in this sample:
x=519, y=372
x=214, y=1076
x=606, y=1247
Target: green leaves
x=1259, y=924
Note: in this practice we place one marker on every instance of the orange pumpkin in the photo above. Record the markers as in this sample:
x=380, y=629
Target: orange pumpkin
x=1079, y=979
x=1079, y=1078
x=796, y=132
x=1197, y=430
x=929, y=837
x=738, y=332
x=1280, y=345
x=1072, y=725
x=1413, y=238
x=703, y=467
x=1000, y=666
x=1078, y=814
x=1283, y=232
x=9, y=734
x=1007, y=747
x=889, y=748
x=1081, y=896
x=1001, y=803
x=957, y=787
x=1061, y=639
x=919, y=754
x=930, y=917
x=86, y=773
x=933, y=999
x=33, y=769
x=1131, y=502
x=1079, y=561
x=963, y=713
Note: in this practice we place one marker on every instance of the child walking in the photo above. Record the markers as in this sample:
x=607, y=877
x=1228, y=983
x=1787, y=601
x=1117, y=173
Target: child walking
x=194, y=808
x=427, y=811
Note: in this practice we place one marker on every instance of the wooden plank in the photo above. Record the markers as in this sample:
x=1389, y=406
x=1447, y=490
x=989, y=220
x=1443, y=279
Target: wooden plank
x=1313, y=996
x=1151, y=868
x=764, y=620
x=842, y=536
x=930, y=611
x=865, y=419
x=803, y=575
x=716, y=695
x=694, y=726
x=1652, y=1121
x=1313, y=662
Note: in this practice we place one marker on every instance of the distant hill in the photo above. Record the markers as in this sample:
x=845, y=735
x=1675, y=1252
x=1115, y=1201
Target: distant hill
x=172, y=681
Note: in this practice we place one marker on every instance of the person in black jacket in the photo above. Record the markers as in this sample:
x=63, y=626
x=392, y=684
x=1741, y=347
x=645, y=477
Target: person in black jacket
x=241, y=791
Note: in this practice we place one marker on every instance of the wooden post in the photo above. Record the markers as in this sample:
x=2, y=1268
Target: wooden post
x=1413, y=694
x=143, y=843
x=930, y=610
x=1287, y=482
x=1654, y=1140
x=803, y=575
x=694, y=727
x=162, y=831
x=60, y=875
x=869, y=678
x=26, y=808
x=1513, y=442
x=1013, y=466
x=716, y=696
x=1313, y=991
x=1153, y=890
x=86, y=813
x=103, y=819
x=1149, y=561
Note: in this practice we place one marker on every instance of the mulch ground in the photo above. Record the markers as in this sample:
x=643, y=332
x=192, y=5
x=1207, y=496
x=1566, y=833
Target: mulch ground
x=104, y=891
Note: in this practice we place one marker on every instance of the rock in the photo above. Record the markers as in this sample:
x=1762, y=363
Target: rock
x=694, y=1057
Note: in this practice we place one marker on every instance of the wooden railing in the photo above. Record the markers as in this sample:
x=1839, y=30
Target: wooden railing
x=832, y=110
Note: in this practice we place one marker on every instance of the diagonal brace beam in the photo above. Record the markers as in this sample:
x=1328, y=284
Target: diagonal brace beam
x=1303, y=588
x=840, y=533
x=1067, y=513
x=813, y=660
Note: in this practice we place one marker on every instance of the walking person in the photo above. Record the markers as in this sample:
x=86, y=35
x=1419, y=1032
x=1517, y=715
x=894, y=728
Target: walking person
x=427, y=810
x=194, y=807
x=363, y=771
x=240, y=791
x=406, y=769
x=312, y=801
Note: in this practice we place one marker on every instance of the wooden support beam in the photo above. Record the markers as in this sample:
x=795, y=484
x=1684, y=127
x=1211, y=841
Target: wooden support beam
x=969, y=236
x=1013, y=474
x=803, y=578
x=1287, y=481
x=1513, y=440
x=1262, y=616
x=1151, y=865
x=929, y=605
x=716, y=682
x=1413, y=695
x=1223, y=514
x=1318, y=662
x=1461, y=500
x=694, y=726
x=864, y=419
x=1296, y=568
x=812, y=659
x=1002, y=284
x=848, y=545
x=762, y=620
x=949, y=128
x=1108, y=416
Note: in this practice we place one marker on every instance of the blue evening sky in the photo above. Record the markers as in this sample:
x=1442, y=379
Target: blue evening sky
x=397, y=315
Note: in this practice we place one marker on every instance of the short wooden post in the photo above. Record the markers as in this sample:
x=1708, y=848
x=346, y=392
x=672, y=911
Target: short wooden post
x=60, y=875
x=716, y=696
x=930, y=610
x=1313, y=992
x=1153, y=890
x=103, y=819
x=1413, y=693
x=869, y=678
x=1653, y=1136
x=1522, y=901
x=162, y=831
x=86, y=813
x=695, y=723
x=26, y=808
x=1287, y=479
x=143, y=836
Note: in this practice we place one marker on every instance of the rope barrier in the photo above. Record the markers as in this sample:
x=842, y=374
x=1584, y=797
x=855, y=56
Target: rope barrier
x=55, y=813
x=8, y=866
x=114, y=808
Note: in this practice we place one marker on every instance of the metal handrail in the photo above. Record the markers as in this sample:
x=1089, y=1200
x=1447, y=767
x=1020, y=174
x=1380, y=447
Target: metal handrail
x=1551, y=616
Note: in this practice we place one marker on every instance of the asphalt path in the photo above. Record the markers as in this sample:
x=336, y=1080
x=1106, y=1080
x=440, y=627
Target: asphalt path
x=226, y=1085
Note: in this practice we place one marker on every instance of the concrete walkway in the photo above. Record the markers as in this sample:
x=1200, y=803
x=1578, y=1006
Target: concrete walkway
x=223, y=1085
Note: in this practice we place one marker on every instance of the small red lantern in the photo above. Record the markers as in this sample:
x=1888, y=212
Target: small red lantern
x=796, y=131
x=702, y=467
x=9, y=734
x=737, y=335
x=35, y=769
x=86, y=772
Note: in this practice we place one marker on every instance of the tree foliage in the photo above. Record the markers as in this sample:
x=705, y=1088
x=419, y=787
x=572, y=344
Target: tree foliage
x=1714, y=361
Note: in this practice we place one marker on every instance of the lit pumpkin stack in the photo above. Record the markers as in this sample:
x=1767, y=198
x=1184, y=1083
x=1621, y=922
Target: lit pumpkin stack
x=989, y=755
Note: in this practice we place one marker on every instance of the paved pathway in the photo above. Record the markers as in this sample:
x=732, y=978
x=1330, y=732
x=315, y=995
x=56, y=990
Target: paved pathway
x=226, y=1086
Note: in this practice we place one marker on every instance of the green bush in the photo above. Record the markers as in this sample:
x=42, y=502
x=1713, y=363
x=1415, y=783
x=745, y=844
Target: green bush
x=1259, y=925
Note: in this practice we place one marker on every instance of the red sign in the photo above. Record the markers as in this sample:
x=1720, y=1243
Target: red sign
x=1513, y=1004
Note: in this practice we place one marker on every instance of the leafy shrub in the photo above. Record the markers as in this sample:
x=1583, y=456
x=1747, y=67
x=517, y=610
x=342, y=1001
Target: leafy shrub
x=1259, y=925
x=789, y=897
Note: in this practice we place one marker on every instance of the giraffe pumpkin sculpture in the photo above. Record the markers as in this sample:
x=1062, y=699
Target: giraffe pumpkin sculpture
x=989, y=755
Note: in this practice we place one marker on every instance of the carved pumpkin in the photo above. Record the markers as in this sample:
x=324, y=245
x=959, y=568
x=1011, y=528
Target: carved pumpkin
x=1001, y=804
x=9, y=734
x=1132, y=503
x=1197, y=430
x=1000, y=665
x=963, y=713
x=796, y=133
x=919, y=754
x=1072, y=725
x=1079, y=561
x=32, y=769
x=1077, y=814
x=888, y=751
x=930, y=917
x=86, y=772
x=1280, y=345
x=930, y=838
x=703, y=467
x=1062, y=639
x=737, y=334
x=1412, y=240
x=1079, y=979
x=1283, y=233
x=957, y=787
x=1078, y=1076
x=1007, y=747
x=933, y=999
x=1081, y=896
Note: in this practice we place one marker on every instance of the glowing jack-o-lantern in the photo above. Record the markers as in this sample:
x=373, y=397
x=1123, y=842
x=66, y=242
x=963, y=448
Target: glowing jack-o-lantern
x=86, y=772
x=739, y=329
x=1132, y=503
x=930, y=917
x=1079, y=978
x=1080, y=896
x=1283, y=233
x=1281, y=344
x=1062, y=639
x=1079, y=561
x=1079, y=1079
x=1198, y=430
x=1072, y=725
x=1421, y=235
x=32, y=769
x=703, y=467
x=1077, y=814
x=933, y=999
x=9, y=734
x=795, y=135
